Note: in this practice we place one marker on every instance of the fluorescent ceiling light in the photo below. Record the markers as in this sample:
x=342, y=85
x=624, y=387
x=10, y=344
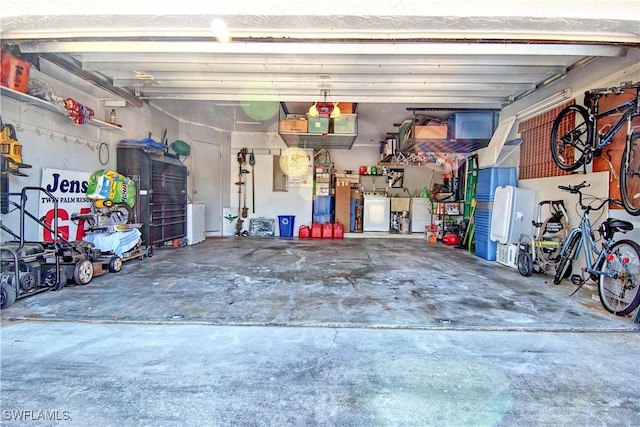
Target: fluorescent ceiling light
x=249, y=123
x=545, y=105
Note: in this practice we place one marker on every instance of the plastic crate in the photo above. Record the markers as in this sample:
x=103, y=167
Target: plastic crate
x=507, y=254
x=318, y=124
x=345, y=123
x=467, y=125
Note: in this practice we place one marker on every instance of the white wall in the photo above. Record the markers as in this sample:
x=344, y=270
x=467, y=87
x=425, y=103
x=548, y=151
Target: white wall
x=296, y=201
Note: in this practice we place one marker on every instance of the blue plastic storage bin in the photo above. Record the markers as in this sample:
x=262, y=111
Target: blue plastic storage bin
x=285, y=224
x=485, y=248
x=322, y=218
x=472, y=125
x=491, y=178
x=323, y=204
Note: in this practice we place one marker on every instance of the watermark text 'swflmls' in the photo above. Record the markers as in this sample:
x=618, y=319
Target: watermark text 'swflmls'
x=35, y=415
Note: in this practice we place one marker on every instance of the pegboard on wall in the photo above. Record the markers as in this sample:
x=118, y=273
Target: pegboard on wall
x=535, y=152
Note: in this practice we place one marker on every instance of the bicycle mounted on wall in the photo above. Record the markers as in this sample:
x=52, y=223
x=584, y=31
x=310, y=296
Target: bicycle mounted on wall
x=576, y=139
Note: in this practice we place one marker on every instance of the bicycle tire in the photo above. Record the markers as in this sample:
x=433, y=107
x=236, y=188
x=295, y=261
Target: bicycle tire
x=525, y=264
x=630, y=175
x=571, y=137
x=566, y=261
x=621, y=294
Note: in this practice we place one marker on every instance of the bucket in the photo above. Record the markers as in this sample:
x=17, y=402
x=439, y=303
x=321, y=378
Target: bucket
x=405, y=226
x=432, y=233
x=285, y=224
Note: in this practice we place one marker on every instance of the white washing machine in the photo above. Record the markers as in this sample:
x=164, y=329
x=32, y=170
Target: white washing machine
x=377, y=213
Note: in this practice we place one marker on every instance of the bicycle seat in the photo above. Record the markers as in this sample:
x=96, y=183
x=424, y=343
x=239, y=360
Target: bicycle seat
x=611, y=226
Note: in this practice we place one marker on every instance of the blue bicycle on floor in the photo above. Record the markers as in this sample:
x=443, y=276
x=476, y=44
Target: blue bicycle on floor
x=615, y=265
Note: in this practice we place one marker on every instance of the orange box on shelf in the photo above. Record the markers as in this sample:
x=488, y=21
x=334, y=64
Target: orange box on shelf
x=293, y=125
x=345, y=107
x=430, y=132
x=15, y=72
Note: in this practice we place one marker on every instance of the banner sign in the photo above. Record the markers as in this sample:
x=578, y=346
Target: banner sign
x=70, y=188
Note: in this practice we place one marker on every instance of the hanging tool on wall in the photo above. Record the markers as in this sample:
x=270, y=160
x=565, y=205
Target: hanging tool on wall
x=11, y=150
x=240, y=158
x=252, y=162
x=10, y=162
x=243, y=155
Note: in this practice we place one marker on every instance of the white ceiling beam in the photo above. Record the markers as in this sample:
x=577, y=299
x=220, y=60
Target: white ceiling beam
x=433, y=102
x=325, y=48
x=329, y=68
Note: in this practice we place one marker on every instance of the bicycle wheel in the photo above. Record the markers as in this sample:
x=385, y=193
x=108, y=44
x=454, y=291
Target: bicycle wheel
x=630, y=175
x=525, y=264
x=566, y=261
x=570, y=137
x=619, y=294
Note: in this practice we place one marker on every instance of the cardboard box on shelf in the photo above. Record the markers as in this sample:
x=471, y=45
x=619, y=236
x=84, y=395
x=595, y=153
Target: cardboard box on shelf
x=430, y=132
x=345, y=107
x=298, y=125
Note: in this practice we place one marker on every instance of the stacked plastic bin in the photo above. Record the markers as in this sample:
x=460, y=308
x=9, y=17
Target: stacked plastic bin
x=488, y=180
x=323, y=209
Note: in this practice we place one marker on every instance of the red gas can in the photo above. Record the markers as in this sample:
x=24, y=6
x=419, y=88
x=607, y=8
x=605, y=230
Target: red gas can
x=304, y=232
x=327, y=230
x=338, y=231
x=316, y=230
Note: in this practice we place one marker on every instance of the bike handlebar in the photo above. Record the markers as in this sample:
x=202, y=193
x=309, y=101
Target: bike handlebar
x=578, y=189
x=574, y=189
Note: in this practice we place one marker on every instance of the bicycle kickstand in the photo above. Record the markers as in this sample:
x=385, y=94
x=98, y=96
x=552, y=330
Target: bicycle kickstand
x=577, y=280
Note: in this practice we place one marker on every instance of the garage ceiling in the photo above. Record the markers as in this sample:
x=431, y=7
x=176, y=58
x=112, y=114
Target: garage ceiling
x=386, y=56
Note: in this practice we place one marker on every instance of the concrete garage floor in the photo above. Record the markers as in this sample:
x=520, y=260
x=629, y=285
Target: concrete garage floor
x=286, y=332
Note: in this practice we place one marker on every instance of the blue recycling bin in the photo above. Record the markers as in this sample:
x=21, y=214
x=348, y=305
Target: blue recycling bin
x=285, y=223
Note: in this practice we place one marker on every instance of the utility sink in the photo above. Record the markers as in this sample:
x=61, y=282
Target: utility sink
x=399, y=204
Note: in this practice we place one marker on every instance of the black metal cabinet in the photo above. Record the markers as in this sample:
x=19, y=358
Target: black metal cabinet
x=161, y=199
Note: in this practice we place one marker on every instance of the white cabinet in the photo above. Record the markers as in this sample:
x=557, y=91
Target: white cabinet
x=420, y=214
x=195, y=223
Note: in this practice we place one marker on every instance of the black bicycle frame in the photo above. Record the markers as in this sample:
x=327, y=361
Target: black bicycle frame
x=629, y=110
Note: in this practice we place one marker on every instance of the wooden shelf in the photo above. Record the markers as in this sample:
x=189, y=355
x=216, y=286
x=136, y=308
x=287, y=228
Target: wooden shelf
x=40, y=103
